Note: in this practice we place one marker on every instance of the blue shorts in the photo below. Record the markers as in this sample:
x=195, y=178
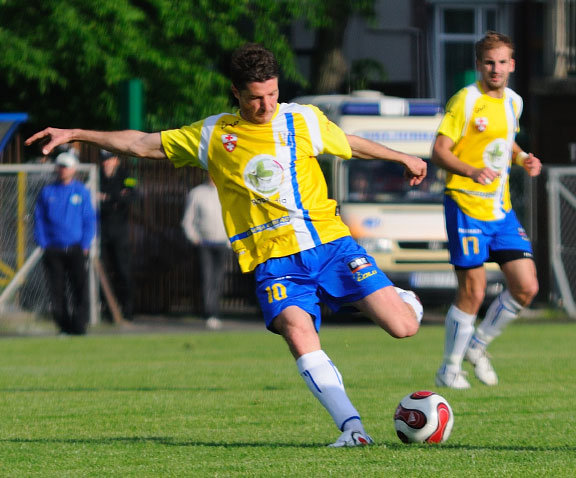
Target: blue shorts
x=335, y=273
x=472, y=242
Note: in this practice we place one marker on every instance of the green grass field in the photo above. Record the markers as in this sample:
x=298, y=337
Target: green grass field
x=233, y=404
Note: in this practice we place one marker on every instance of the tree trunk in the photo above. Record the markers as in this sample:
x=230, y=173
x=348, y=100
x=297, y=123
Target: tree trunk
x=329, y=68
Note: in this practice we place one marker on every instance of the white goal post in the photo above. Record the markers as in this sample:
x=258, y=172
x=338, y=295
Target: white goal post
x=22, y=284
x=562, y=230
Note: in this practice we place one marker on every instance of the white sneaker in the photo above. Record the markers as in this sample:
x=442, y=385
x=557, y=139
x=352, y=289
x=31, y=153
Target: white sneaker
x=213, y=323
x=411, y=299
x=456, y=380
x=352, y=438
x=483, y=369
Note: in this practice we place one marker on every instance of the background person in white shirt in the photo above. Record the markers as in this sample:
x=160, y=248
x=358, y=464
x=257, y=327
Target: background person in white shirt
x=203, y=226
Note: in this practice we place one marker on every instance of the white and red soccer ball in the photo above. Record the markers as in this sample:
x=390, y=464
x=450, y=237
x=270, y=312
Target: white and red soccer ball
x=423, y=417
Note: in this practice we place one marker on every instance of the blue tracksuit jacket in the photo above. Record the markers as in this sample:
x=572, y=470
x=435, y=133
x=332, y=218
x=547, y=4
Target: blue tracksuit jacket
x=64, y=216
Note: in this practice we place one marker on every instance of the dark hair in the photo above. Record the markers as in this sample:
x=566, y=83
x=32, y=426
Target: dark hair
x=490, y=41
x=252, y=63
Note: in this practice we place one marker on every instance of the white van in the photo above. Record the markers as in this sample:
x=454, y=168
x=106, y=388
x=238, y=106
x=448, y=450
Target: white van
x=401, y=226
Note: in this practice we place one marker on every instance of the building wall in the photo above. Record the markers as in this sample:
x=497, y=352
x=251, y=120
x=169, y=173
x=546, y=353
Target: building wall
x=388, y=39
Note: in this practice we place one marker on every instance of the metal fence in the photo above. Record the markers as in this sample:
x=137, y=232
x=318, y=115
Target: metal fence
x=165, y=265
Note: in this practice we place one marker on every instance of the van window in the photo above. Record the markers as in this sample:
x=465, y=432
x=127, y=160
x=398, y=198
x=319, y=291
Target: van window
x=384, y=182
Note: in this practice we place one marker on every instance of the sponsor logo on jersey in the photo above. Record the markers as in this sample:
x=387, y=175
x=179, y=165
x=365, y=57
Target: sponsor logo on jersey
x=223, y=124
x=463, y=230
x=263, y=175
x=360, y=276
x=496, y=155
x=286, y=138
x=229, y=141
x=359, y=263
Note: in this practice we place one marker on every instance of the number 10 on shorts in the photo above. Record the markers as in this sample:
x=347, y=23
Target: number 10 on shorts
x=276, y=292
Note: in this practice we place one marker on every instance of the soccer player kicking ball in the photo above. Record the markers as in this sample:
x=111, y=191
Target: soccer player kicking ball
x=475, y=145
x=279, y=219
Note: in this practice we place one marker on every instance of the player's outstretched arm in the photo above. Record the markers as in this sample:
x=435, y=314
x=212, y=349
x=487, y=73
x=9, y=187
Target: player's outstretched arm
x=415, y=168
x=127, y=142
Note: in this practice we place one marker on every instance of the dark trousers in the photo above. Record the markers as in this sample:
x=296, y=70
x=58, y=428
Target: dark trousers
x=213, y=263
x=116, y=254
x=64, y=266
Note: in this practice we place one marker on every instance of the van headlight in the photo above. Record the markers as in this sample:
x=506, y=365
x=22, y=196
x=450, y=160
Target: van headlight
x=376, y=244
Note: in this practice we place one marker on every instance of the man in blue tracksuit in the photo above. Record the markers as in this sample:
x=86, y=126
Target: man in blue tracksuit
x=65, y=224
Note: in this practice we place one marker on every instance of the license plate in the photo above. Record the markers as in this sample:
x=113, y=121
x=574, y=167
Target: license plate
x=433, y=280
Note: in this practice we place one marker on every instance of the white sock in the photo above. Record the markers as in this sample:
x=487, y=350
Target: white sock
x=459, y=327
x=413, y=301
x=325, y=382
x=503, y=310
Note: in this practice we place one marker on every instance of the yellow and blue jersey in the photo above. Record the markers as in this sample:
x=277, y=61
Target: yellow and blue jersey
x=483, y=129
x=272, y=191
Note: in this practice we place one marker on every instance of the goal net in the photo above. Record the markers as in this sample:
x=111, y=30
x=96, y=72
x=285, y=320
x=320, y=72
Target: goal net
x=24, y=296
x=562, y=230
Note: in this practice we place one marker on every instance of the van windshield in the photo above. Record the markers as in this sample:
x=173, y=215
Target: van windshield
x=383, y=182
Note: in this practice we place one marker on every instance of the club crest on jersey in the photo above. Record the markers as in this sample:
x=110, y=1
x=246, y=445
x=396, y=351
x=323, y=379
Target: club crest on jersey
x=481, y=123
x=229, y=141
x=359, y=263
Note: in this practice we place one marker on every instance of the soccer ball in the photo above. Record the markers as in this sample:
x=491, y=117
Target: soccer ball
x=423, y=417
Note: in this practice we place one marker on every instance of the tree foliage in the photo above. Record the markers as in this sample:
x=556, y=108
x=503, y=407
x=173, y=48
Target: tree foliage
x=63, y=60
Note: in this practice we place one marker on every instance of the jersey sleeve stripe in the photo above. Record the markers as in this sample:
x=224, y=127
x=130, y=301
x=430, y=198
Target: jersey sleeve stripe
x=203, y=147
x=472, y=95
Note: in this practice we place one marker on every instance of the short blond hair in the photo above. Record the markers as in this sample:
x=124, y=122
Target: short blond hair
x=490, y=41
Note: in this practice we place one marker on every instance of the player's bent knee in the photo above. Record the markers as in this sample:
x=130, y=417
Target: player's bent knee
x=472, y=297
x=404, y=327
x=478, y=295
x=533, y=289
x=526, y=295
x=392, y=313
x=404, y=333
x=408, y=332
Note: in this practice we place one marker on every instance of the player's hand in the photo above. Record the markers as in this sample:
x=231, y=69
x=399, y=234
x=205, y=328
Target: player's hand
x=50, y=138
x=415, y=170
x=532, y=165
x=484, y=176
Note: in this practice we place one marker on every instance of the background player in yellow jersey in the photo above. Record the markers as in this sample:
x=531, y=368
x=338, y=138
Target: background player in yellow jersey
x=475, y=145
x=279, y=219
